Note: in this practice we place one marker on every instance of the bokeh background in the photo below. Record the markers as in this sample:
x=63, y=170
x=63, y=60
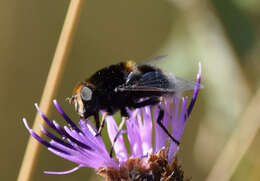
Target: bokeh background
x=223, y=34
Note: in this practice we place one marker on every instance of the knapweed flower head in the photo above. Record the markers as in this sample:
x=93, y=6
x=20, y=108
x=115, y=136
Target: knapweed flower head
x=149, y=158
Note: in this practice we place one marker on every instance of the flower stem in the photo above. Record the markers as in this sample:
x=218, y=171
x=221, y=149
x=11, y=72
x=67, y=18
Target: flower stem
x=51, y=86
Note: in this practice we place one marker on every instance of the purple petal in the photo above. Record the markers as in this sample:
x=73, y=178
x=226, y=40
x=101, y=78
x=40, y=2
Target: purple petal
x=86, y=158
x=181, y=119
x=51, y=136
x=146, y=130
x=196, y=92
x=160, y=135
x=82, y=147
x=89, y=132
x=86, y=139
x=73, y=157
x=37, y=137
x=66, y=135
x=48, y=122
x=178, y=124
x=119, y=146
x=63, y=172
x=133, y=134
x=65, y=116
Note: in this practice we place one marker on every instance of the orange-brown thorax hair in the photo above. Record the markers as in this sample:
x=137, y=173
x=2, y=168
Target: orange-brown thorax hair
x=130, y=66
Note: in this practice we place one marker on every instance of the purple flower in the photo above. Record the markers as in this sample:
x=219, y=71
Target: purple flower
x=148, y=158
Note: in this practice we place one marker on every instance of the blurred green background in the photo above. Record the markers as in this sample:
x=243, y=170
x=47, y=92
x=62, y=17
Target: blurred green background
x=223, y=34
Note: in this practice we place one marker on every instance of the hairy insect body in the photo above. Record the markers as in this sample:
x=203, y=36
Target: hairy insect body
x=125, y=85
x=107, y=85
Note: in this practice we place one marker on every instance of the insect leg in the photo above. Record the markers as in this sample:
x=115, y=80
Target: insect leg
x=117, y=134
x=124, y=115
x=102, y=124
x=151, y=101
x=159, y=121
x=96, y=117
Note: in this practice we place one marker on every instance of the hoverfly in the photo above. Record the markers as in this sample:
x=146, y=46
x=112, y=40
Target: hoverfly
x=122, y=85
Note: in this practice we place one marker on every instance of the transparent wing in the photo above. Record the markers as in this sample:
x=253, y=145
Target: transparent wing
x=159, y=82
x=184, y=85
x=153, y=60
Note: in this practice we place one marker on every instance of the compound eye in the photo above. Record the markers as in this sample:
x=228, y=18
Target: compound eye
x=86, y=94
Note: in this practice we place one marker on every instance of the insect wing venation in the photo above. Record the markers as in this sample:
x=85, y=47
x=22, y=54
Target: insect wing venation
x=159, y=82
